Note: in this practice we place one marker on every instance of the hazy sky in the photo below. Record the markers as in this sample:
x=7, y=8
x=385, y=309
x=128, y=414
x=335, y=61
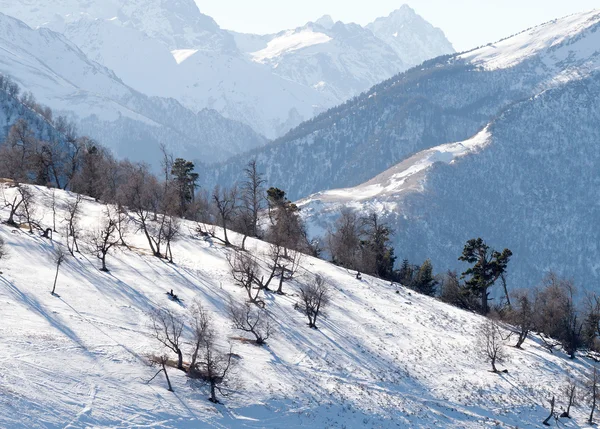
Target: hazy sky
x=467, y=23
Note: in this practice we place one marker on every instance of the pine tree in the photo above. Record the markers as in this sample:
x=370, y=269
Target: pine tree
x=488, y=266
x=425, y=282
x=185, y=181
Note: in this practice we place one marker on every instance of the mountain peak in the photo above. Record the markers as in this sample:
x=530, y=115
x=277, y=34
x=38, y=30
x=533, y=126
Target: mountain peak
x=325, y=21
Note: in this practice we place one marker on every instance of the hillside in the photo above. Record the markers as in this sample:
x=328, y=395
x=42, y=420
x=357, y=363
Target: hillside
x=445, y=100
x=383, y=356
x=130, y=123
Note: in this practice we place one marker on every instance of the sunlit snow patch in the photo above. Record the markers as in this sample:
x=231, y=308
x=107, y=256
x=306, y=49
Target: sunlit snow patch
x=290, y=41
x=181, y=55
x=407, y=175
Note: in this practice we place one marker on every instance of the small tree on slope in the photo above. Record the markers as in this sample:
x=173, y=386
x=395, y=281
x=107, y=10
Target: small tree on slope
x=167, y=328
x=490, y=344
x=105, y=237
x=314, y=297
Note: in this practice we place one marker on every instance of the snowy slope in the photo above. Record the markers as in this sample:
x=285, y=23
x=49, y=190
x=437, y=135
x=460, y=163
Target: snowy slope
x=62, y=77
x=571, y=39
x=383, y=357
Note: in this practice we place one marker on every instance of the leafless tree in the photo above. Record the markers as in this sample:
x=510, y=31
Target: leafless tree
x=200, y=323
x=167, y=329
x=546, y=422
x=570, y=390
x=344, y=241
x=252, y=196
x=245, y=271
x=53, y=206
x=557, y=317
x=162, y=362
x=593, y=391
x=106, y=236
x=251, y=319
x=59, y=258
x=72, y=221
x=141, y=194
x=226, y=204
x=314, y=297
x=211, y=364
x=288, y=267
x=490, y=343
x=172, y=228
x=13, y=206
x=522, y=316
x=27, y=206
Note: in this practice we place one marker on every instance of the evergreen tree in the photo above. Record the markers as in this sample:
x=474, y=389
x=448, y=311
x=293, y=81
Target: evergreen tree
x=424, y=282
x=185, y=180
x=488, y=266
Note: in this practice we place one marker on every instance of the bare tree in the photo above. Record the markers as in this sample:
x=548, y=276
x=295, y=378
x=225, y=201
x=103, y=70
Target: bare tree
x=245, y=271
x=570, y=391
x=72, y=220
x=288, y=266
x=167, y=329
x=27, y=207
x=59, y=257
x=162, y=362
x=13, y=206
x=250, y=319
x=522, y=316
x=552, y=403
x=226, y=203
x=593, y=391
x=314, y=297
x=252, y=197
x=105, y=237
x=200, y=323
x=344, y=242
x=172, y=228
x=490, y=343
x=53, y=206
x=211, y=364
x=141, y=193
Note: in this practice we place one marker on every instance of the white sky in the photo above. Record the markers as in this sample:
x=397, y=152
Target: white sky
x=467, y=23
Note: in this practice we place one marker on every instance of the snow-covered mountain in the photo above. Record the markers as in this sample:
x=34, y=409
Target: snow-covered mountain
x=383, y=356
x=130, y=123
x=414, y=39
x=272, y=83
x=530, y=185
x=338, y=60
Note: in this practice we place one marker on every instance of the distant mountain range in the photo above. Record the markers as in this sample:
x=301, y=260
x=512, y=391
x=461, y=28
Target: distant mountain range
x=524, y=173
x=271, y=83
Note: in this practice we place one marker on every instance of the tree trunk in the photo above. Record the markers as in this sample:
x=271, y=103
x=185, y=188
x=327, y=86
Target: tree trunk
x=213, y=393
x=225, y=233
x=103, y=259
x=179, y=359
x=591, y=419
x=167, y=376
x=522, y=338
x=551, y=413
x=280, y=288
x=484, y=302
x=55, y=278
